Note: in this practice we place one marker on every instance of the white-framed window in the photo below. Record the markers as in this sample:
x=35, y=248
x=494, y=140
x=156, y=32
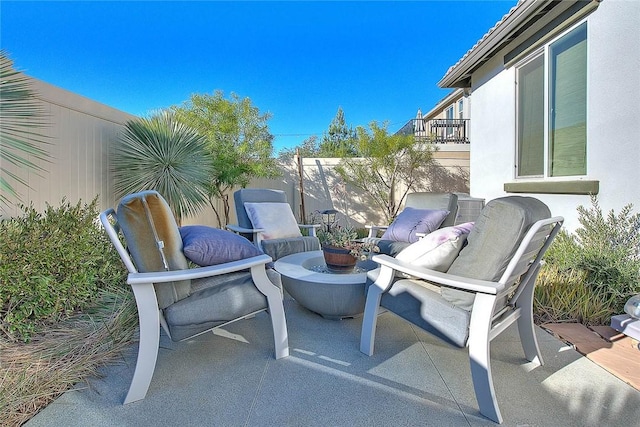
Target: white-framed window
x=552, y=108
x=461, y=109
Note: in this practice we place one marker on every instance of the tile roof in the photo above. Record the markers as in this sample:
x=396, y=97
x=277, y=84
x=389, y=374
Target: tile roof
x=486, y=36
x=517, y=20
x=523, y=16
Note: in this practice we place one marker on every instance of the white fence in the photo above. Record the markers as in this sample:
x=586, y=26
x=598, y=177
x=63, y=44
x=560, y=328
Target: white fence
x=81, y=132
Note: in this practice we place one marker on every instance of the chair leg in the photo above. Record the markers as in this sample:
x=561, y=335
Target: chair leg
x=276, y=310
x=149, y=319
x=370, y=317
x=370, y=320
x=479, y=356
x=526, y=326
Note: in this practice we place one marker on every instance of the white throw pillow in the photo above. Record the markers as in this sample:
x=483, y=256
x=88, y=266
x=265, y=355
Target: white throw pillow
x=437, y=250
x=276, y=219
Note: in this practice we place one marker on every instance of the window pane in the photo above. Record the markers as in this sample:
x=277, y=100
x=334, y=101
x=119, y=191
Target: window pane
x=450, y=112
x=568, y=98
x=531, y=118
x=449, y=118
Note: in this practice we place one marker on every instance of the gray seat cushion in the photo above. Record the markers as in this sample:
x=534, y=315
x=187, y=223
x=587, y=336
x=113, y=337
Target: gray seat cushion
x=419, y=303
x=497, y=233
x=278, y=248
x=391, y=247
x=214, y=301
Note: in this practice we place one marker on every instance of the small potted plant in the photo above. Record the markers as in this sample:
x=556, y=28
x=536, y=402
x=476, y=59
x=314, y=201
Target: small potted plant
x=341, y=247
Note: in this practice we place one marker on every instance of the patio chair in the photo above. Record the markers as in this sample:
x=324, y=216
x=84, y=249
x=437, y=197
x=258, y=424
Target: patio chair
x=185, y=301
x=265, y=217
x=406, y=221
x=488, y=287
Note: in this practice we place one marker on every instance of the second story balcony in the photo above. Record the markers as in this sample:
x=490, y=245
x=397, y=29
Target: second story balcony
x=438, y=131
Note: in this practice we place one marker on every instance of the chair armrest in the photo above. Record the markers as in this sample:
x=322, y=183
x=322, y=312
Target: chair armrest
x=373, y=229
x=196, y=273
x=445, y=279
x=257, y=237
x=311, y=227
x=238, y=229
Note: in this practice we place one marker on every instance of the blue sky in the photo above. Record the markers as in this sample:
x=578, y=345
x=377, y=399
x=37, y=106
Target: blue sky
x=299, y=61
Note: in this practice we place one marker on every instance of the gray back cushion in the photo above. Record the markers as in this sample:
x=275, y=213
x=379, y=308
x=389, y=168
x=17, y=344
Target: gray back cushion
x=440, y=201
x=137, y=224
x=497, y=233
x=254, y=195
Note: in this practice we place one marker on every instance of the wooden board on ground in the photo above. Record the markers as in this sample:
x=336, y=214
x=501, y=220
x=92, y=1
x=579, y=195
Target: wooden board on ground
x=611, y=350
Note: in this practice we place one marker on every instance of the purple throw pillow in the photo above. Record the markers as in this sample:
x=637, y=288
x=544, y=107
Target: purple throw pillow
x=412, y=221
x=210, y=246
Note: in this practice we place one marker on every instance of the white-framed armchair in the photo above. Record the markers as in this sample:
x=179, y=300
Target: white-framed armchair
x=488, y=287
x=265, y=217
x=185, y=301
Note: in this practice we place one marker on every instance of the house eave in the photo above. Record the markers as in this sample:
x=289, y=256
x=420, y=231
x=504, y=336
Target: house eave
x=448, y=99
x=524, y=14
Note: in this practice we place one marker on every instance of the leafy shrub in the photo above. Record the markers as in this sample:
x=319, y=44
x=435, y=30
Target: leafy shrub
x=611, y=251
x=52, y=265
x=563, y=293
x=590, y=275
x=565, y=296
x=63, y=354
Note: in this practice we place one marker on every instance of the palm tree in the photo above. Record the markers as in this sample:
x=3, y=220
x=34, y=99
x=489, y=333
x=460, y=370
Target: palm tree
x=21, y=118
x=159, y=153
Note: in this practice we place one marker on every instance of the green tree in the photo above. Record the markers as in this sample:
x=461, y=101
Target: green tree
x=390, y=167
x=160, y=153
x=21, y=118
x=238, y=139
x=308, y=148
x=339, y=140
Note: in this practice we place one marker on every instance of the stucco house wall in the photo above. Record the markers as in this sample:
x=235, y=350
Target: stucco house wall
x=493, y=130
x=614, y=102
x=613, y=124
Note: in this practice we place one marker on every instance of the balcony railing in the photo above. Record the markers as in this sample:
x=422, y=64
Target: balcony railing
x=438, y=131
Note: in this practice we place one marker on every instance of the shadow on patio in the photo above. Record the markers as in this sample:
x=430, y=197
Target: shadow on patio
x=230, y=378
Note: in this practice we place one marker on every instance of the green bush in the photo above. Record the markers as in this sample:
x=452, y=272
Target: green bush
x=611, y=251
x=564, y=296
x=590, y=275
x=51, y=265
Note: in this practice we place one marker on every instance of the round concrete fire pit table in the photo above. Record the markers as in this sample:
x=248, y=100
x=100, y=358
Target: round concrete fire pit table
x=332, y=295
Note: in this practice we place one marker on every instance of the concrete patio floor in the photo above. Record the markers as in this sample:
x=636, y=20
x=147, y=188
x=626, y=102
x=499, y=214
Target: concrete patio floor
x=230, y=378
